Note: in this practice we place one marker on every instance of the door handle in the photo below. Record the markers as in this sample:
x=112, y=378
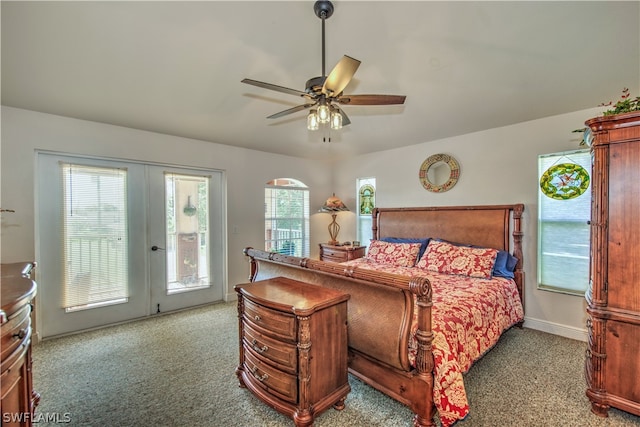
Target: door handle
x=155, y=248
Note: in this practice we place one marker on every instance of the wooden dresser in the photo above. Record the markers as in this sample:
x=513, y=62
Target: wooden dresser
x=332, y=253
x=18, y=400
x=612, y=366
x=293, y=346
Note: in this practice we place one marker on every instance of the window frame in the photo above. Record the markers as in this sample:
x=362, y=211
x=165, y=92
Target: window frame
x=286, y=245
x=571, y=256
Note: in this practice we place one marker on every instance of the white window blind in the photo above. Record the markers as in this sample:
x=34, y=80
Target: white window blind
x=563, y=232
x=95, y=236
x=286, y=217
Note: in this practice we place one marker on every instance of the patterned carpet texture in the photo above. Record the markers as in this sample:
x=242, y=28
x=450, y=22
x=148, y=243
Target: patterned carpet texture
x=178, y=370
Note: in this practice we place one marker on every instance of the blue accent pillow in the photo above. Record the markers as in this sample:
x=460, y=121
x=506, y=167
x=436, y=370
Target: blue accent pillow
x=512, y=262
x=505, y=265
x=423, y=246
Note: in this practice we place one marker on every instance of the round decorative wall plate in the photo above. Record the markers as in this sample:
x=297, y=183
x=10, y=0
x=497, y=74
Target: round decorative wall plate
x=564, y=181
x=442, y=183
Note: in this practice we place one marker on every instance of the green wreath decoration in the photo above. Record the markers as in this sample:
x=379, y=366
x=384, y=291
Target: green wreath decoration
x=564, y=181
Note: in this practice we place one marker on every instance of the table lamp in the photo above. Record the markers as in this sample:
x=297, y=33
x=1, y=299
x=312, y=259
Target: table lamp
x=333, y=205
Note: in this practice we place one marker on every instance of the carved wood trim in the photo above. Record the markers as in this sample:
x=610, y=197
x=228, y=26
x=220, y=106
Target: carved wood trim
x=303, y=414
x=240, y=368
x=599, y=217
x=421, y=287
x=386, y=279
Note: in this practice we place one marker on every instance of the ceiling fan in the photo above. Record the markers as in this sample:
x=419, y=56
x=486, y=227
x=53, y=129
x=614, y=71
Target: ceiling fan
x=323, y=94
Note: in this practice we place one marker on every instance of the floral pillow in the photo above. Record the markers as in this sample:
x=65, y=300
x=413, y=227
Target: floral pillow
x=443, y=257
x=423, y=242
x=395, y=254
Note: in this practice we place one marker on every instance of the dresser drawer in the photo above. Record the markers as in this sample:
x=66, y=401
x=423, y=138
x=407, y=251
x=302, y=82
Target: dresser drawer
x=13, y=369
x=14, y=331
x=337, y=257
x=284, y=355
x=330, y=253
x=272, y=322
x=276, y=382
x=11, y=360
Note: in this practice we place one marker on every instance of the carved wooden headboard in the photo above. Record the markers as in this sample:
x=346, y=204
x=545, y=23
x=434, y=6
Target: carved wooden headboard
x=492, y=226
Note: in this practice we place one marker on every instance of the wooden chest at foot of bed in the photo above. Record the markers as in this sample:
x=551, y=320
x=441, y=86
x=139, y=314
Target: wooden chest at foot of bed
x=293, y=346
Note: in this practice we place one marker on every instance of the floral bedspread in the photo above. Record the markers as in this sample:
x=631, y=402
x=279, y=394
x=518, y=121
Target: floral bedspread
x=468, y=316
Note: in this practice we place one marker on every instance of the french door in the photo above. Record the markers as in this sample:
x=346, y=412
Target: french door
x=119, y=240
x=185, y=237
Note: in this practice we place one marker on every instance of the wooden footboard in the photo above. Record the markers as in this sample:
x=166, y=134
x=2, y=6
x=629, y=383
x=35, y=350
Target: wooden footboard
x=380, y=311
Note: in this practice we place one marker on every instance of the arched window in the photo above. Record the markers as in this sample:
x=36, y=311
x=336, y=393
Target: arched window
x=286, y=217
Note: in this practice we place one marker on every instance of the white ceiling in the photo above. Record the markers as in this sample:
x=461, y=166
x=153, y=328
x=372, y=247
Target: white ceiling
x=175, y=67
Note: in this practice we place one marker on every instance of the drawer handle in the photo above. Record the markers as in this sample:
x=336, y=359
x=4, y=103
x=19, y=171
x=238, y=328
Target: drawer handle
x=257, y=318
x=21, y=334
x=254, y=344
x=254, y=371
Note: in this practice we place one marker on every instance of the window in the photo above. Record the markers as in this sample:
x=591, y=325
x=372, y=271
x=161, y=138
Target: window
x=95, y=236
x=187, y=219
x=366, y=202
x=286, y=217
x=563, y=230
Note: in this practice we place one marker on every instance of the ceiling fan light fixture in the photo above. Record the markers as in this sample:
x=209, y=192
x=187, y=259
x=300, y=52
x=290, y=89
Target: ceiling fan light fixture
x=324, y=114
x=336, y=119
x=312, y=120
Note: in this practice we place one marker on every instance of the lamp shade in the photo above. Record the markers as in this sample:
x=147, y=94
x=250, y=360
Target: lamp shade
x=333, y=204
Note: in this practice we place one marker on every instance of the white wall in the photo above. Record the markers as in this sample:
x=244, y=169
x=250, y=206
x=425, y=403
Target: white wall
x=498, y=166
x=24, y=132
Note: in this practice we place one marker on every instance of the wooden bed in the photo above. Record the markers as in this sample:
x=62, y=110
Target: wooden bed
x=381, y=307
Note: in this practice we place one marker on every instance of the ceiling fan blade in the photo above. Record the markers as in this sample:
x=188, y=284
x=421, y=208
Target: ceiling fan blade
x=371, y=99
x=340, y=76
x=275, y=87
x=290, y=110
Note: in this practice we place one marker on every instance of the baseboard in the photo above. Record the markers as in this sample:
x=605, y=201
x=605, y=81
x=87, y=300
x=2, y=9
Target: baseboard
x=556, y=329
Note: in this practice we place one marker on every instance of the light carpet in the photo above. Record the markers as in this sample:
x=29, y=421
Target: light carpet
x=177, y=369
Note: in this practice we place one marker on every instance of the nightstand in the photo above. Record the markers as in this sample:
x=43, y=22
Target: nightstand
x=293, y=346
x=333, y=253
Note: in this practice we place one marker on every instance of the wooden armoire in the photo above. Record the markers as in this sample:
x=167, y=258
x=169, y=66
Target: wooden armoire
x=612, y=366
